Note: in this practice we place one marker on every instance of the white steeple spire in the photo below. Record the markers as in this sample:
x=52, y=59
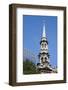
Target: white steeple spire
x=44, y=34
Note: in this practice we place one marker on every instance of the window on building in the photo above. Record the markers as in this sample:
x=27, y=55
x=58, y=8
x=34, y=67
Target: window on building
x=42, y=45
x=45, y=58
x=45, y=45
x=42, y=58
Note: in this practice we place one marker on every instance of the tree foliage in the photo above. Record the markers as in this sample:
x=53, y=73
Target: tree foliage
x=29, y=67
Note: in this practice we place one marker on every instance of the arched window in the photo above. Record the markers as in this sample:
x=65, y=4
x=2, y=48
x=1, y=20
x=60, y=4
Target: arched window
x=45, y=45
x=42, y=45
x=45, y=58
x=42, y=58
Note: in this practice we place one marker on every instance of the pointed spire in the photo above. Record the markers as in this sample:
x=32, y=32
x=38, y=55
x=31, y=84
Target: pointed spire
x=44, y=34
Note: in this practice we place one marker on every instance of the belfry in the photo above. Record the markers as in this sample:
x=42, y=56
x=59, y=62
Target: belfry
x=44, y=58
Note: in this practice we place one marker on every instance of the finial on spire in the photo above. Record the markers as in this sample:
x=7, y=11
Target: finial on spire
x=44, y=34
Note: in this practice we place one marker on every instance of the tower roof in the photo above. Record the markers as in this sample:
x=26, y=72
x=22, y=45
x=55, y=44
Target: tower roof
x=43, y=34
x=43, y=39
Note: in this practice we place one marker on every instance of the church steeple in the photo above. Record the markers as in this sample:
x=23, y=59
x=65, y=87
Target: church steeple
x=44, y=57
x=44, y=54
x=43, y=34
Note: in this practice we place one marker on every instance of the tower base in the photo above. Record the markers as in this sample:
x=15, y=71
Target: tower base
x=45, y=69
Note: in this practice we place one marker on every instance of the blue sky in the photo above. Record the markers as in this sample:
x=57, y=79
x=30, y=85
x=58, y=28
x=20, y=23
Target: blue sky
x=33, y=27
